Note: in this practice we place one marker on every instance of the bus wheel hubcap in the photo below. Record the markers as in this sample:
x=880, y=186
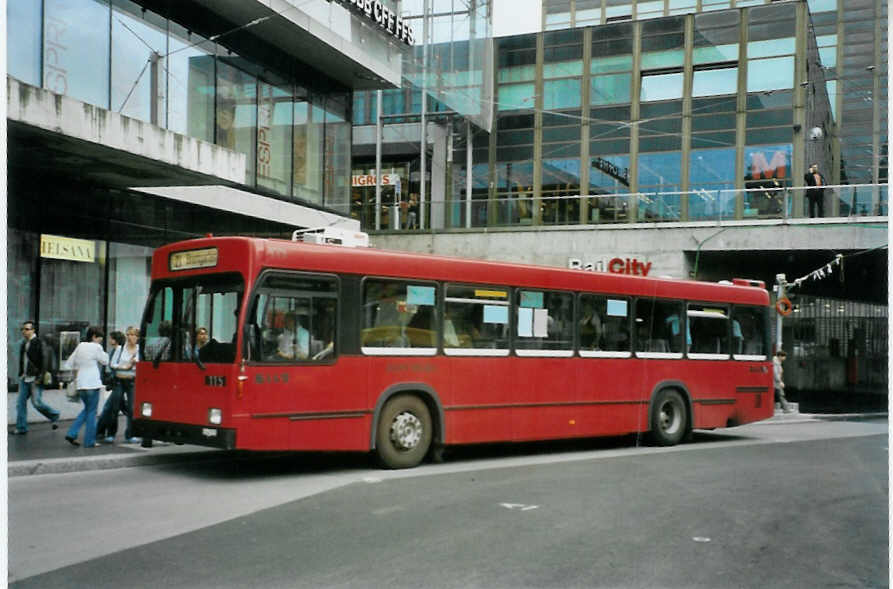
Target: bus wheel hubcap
x=406, y=431
x=669, y=418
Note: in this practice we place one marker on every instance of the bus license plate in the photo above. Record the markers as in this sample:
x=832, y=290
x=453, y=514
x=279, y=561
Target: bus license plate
x=209, y=432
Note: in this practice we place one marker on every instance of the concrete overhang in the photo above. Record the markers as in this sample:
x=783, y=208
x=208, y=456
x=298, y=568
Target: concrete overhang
x=250, y=204
x=54, y=136
x=361, y=57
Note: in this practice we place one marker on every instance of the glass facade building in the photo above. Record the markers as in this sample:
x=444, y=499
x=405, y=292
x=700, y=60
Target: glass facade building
x=186, y=73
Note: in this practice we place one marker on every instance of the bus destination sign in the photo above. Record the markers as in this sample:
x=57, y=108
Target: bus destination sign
x=203, y=258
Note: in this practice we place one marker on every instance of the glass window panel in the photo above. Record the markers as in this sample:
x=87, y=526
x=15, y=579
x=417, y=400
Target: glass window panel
x=611, y=89
x=658, y=326
x=713, y=82
x=190, y=85
x=139, y=43
x=604, y=324
x=609, y=173
x=766, y=162
x=662, y=59
x=712, y=166
x=612, y=63
x=661, y=87
x=715, y=53
x=22, y=42
x=292, y=319
x=275, y=112
x=713, y=139
x=237, y=113
x=76, y=50
x=308, y=151
x=816, y=6
x=399, y=314
x=770, y=48
x=545, y=320
x=720, y=5
x=660, y=169
x=337, y=153
x=617, y=8
x=646, y=7
x=561, y=94
x=828, y=56
x=523, y=73
x=770, y=74
x=749, y=331
x=476, y=317
x=708, y=329
x=516, y=96
x=562, y=69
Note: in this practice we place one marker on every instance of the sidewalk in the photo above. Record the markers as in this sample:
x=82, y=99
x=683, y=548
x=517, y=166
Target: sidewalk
x=44, y=451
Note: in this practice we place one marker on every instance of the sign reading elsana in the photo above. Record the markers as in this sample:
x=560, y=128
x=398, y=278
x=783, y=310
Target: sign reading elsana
x=204, y=258
x=383, y=16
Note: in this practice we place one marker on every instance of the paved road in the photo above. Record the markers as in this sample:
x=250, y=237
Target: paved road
x=794, y=505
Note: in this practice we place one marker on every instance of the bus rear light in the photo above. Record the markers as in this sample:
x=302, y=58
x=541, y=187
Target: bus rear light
x=146, y=409
x=215, y=416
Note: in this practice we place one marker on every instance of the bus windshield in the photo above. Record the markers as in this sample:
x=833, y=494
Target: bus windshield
x=193, y=319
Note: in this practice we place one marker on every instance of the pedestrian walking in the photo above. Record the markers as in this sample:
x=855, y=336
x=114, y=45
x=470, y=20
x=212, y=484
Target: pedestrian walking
x=816, y=194
x=87, y=361
x=107, y=425
x=778, y=377
x=125, y=374
x=32, y=375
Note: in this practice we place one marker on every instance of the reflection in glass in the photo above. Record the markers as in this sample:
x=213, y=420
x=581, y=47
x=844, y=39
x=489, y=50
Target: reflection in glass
x=713, y=82
x=22, y=45
x=75, y=51
x=190, y=84
x=237, y=113
x=770, y=74
x=274, y=120
x=139, y=43
x=661, y=87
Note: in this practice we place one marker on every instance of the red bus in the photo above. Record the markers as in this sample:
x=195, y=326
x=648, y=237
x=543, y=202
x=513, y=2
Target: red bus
x=325, y=347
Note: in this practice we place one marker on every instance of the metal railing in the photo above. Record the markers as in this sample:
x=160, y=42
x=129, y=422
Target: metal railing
x=768, y=202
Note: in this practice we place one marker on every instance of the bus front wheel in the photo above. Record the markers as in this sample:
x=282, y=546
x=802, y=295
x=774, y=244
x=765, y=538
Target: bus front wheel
x=669, y=419
x=404, y=432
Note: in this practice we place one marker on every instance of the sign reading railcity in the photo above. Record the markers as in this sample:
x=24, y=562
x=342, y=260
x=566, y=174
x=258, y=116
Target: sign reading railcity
x=383, y=16
x=614, y=266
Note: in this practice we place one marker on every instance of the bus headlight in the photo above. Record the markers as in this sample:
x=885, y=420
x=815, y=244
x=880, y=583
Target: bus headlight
x=146, y=409
x=215, y=416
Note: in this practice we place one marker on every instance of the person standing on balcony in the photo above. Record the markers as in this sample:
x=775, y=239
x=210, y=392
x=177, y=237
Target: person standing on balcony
x=816, y=194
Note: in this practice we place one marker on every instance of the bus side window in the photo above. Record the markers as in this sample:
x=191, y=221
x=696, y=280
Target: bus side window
x=398, y=314
x=708, y=329
x=603, y=325
x=748, y=331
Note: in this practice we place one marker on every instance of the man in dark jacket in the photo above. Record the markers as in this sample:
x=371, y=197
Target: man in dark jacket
x=31, y=374
x=816, y=195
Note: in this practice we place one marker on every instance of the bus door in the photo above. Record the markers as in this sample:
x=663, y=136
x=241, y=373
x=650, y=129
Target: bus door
x=292, y=393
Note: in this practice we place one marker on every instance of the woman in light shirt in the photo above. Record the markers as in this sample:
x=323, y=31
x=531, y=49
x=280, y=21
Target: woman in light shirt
x=86, y=361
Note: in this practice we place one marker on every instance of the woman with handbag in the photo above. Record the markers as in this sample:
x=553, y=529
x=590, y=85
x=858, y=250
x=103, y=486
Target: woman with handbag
x=86, y=361
x=124, y=365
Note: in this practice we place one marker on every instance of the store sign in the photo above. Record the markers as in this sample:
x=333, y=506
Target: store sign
x=614, y=266
x=360, y=180
x=384, y=17
x=67, y=248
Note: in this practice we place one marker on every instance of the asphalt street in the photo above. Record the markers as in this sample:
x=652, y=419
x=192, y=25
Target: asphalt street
x=796, y=505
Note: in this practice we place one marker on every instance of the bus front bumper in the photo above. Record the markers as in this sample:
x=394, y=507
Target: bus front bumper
x=183, y=433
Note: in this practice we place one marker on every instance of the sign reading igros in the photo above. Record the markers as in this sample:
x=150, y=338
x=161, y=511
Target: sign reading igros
x=67, y=248
x=203, y=258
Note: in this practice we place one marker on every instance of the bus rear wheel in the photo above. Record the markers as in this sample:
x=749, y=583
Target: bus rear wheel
x=669, y=419
x=404, y=432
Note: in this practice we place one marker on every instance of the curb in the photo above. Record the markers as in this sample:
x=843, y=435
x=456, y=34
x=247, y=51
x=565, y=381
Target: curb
x=107, y=462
